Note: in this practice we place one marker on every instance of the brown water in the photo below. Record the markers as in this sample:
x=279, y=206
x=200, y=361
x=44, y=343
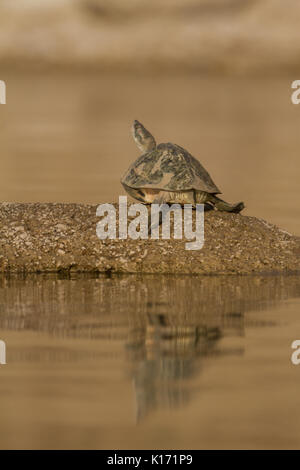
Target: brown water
x=66, y=137
x=148, y=362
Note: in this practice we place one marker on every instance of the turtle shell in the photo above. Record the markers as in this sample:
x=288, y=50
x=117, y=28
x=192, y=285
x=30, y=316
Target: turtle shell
x=169, y=167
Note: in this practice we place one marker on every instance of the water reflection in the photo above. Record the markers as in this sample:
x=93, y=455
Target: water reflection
x=166, y=354
x=167, y=326
x=110, y=307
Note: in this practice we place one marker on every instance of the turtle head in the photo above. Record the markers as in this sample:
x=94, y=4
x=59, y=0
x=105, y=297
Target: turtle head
x=143, y=139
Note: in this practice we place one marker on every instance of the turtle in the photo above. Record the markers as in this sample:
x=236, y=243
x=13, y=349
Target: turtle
x=169, y=174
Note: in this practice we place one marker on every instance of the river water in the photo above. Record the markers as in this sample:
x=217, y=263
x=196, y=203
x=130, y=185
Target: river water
x=149, y=361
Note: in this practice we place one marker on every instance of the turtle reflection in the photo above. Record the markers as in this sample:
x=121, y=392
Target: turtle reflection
x=166, y=354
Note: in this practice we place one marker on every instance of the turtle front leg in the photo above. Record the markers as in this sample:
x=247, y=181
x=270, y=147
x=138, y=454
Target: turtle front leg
x=225, y=206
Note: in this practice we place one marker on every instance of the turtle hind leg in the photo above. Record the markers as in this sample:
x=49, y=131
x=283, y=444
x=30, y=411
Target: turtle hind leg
x=225, y=206
x=201, y=197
